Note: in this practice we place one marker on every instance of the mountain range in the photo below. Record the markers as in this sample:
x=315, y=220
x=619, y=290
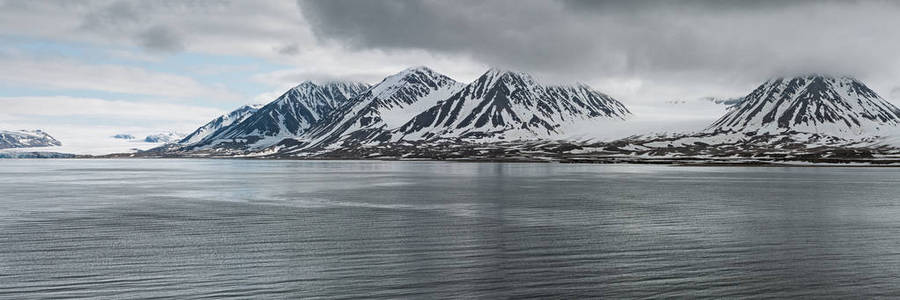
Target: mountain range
x=414, y=105
x=419, y=113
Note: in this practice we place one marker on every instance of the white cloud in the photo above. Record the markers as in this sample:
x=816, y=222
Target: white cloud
x=70, y=106
x=58, y=73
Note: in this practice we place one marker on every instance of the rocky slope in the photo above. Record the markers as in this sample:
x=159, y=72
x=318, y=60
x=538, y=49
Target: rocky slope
x=290, y=115
x=236, y=116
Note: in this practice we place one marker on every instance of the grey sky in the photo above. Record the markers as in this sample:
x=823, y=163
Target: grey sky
x=742, y=40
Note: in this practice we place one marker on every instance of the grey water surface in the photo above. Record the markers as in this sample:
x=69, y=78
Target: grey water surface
x=363, y=229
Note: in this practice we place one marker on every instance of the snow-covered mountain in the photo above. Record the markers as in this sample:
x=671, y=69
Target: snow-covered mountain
x=288, y=116
x=505, y=115
x=386, y=106
x=503, y=104
x=164, y=137
x=235, y=116
x=26, y=138
x=841, y=107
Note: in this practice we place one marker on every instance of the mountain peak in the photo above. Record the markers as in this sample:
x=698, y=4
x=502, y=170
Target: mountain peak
x=512, y=79
x=306, y=84
x=817, y=77
x=577, y=86
x=413, y=75
x=418, y=69
x=820, y=104
x=412, y=72
x=502, y=72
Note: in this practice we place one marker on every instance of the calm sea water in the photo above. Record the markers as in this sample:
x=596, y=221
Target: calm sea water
x=275, y=229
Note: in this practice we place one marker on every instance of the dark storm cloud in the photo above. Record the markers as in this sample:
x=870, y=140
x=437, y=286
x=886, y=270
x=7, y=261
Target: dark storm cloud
x=895, y=93
x=111, y=16
x=501, y=32
x=638, y=6
x=748, y=39
x=140, y=20
x=161, y=39
x=289, y=49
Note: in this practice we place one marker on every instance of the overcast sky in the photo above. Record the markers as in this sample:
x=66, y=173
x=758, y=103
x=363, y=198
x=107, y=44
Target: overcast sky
x=102, y=67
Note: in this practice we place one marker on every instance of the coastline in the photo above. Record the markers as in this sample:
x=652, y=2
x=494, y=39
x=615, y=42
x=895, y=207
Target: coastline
x=670, y=161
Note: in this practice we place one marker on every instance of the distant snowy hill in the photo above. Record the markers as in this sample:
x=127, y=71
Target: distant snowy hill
x=26, y=139
x=163, y=137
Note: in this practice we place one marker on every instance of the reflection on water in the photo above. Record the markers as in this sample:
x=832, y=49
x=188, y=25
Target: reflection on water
x=247, y=229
